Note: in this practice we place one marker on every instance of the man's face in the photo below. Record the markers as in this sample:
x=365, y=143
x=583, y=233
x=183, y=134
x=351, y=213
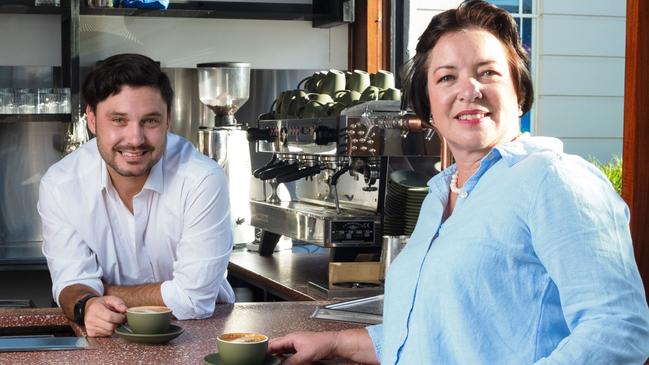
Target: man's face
x=131, y=129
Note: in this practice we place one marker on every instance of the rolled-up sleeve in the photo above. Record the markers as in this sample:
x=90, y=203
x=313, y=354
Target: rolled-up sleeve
x=579, y=228
x=69, y=258
x=202, y=255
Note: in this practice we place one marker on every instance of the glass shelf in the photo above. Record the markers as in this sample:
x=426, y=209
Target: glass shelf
x=13, y=118
x=223, y=10
x=27, y=7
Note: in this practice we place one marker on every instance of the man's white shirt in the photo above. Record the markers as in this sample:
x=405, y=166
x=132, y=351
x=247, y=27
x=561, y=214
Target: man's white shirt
x=178, y=234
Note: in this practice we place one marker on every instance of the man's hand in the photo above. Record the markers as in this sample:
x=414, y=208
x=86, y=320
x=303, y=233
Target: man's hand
x=103, y=315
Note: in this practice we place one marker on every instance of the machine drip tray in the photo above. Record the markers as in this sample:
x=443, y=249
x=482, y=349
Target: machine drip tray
x=345, y=290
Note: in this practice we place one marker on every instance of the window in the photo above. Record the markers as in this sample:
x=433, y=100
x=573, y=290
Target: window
x=523, y=13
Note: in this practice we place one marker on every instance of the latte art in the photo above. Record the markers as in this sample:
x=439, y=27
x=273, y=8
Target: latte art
x=149, y=310
x=243, y=338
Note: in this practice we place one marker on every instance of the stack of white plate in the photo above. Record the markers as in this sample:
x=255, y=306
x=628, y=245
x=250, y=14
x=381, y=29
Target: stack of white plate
x=405, y=193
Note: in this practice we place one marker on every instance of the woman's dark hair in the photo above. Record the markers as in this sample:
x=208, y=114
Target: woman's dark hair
x=125, y=69
x=470, y=14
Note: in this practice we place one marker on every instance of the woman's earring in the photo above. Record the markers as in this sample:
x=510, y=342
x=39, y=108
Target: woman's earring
x=520, y=111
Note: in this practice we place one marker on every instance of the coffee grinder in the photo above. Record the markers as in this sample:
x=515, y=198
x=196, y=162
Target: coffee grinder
x=224, y=87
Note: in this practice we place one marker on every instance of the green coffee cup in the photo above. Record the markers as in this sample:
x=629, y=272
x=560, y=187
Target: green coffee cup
x=148, y=319
x=334, y=109
x=333, y=81
x=382, y=79
x=314, y=109
x=312, y=83
x=390, y=94
x=242, y=348
x=347, y=96
x=371, y=93
x=359, y=80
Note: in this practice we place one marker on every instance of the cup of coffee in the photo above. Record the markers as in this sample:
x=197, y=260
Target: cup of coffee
x=148, y=319
x=242, y=348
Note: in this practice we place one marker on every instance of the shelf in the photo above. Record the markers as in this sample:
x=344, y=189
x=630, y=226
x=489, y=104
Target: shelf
x=21, y=118
x=223, y=10
x=27, y=7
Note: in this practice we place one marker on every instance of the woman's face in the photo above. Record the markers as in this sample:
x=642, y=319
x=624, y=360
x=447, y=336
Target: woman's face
x=471, y=92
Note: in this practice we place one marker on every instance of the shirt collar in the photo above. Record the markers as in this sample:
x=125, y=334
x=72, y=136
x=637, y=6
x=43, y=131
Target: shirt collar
x=510, y=152
x=516, y=150
x=155, y=181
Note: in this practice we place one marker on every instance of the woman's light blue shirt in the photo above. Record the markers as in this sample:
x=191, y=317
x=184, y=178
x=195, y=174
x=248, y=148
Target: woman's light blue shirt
x=534, y=266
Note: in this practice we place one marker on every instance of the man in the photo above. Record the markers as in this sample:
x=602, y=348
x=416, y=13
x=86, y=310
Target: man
x=135, y=216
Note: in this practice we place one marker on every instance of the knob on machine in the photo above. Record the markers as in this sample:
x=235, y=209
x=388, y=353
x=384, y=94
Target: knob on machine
x=259, y=134
x=324, y=135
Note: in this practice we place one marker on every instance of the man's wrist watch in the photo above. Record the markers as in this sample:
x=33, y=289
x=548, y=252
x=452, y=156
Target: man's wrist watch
x=80, y=308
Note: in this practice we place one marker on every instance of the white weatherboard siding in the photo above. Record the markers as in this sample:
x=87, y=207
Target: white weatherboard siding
x=580, y=84
x=35, y=40
x=421, y=11
x=578, y=116
x=616, y=8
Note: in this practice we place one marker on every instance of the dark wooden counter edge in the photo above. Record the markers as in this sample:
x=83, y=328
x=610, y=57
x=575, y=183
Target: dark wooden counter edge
x=268, y=284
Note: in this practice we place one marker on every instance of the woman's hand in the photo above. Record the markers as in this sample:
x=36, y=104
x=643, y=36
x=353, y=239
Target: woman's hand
x=306, y=346
x=354, y=344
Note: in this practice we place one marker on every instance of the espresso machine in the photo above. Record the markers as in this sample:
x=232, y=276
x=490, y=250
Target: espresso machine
x=224, y=87
x=340, y=167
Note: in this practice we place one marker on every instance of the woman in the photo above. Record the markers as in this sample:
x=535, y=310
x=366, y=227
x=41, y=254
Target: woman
x=522, y=253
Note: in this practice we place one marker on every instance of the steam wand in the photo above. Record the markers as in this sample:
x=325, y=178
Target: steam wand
x=334, y=184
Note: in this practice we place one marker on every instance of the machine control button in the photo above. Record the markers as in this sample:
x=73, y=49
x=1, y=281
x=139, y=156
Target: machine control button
x=325, y=135
x=258, y=134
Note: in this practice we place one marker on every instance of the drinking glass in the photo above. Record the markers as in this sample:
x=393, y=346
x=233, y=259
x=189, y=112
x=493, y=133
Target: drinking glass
x=7, y=105
x=64, y=101
x=47, y=101
x=26, y=99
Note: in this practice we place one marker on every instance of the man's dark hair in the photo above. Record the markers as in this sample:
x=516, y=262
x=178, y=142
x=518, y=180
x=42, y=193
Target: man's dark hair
x=125, y=69
x=471, y=14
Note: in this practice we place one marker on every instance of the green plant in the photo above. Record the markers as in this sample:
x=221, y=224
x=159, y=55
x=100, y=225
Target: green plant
x=613, y=171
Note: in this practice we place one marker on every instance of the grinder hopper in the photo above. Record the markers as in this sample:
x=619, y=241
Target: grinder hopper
x=224, y=87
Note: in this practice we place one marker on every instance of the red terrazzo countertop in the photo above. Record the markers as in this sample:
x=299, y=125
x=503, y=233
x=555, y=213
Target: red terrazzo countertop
x=198, y=340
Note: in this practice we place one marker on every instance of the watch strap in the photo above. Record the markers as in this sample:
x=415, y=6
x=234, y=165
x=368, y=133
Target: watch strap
x=80, y=308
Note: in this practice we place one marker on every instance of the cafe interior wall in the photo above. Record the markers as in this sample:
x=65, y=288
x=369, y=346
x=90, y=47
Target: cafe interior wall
x=578, y=69
x=31, y=49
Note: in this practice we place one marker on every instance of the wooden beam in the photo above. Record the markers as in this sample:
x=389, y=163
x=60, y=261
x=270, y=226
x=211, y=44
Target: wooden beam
x=370, y=35
x=635, y=170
